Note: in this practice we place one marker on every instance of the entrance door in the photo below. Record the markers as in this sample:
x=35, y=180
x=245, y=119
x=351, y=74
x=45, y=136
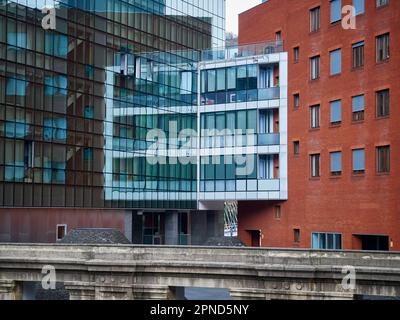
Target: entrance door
x=255, y=238
x=153, y=228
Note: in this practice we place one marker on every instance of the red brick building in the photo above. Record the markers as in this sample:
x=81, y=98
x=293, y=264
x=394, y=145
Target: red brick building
x=344, y=132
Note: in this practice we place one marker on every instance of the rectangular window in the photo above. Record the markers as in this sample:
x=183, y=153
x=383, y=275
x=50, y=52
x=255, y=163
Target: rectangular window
x=266, y=167
x=252, y=75
x=336, y=112
x=314, y=67
x=383, y=47
x=296, y=235
x=211, y=80
x=359, y=161
x=315, y=160
x=61, y=231
x=358, y=108
x=359, y=5
x=221, y=80
x=383, y=159
x=381, y=3
x=241, y=80
x=336, y=10
x=336, y=61
x=326, y=241
x=278, y=212
x=336, y=163
x=315, y=19
x=383, y=103
x=315, y=116
x=231, y=77
x=296, y=100
x=358, y=54
x=278, y=36
x=296, y=147
x=296, y=54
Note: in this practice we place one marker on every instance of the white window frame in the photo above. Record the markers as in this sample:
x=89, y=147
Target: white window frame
x=65, y=226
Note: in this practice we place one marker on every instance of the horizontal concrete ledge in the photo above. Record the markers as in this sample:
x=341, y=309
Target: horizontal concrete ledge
x=137, y=246
x=111, y=270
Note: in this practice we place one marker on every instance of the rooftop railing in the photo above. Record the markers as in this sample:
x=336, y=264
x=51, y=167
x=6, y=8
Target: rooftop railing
x=242, y=51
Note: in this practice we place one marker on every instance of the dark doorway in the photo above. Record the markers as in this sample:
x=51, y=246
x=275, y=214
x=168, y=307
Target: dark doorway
x=255, y=238
x=153, y=228
x=374, y=243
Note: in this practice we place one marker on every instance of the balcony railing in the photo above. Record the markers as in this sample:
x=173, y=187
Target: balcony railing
x=246, y=140
x=239, y=96
x=268, y=139
x=235, y=52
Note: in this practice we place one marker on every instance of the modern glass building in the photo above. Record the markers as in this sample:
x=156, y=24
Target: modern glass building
x=92, y=113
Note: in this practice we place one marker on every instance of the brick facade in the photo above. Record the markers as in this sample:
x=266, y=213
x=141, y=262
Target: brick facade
x=367, y=204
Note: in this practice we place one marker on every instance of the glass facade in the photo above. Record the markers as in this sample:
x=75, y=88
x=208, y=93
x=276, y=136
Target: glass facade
x=237, y=84
x=77, y=102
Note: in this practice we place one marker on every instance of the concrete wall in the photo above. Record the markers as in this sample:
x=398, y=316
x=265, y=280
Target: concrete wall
x=39, y=225
x=149, y=272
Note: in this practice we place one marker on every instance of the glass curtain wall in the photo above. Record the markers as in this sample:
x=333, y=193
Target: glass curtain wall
x=77, y=102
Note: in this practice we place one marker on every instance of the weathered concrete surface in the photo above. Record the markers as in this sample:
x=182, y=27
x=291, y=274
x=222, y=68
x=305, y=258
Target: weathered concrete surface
x=142, y=272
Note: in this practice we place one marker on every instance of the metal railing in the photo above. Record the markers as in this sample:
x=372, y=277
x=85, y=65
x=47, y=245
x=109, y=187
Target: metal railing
x=242, y=51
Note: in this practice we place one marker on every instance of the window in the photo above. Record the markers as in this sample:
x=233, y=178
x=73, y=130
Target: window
x=211, y=80
x=221, y=80
x=296, y=100
x=88, y=154
x=296, y=147
x=336, y=61
x=61, y=231
x=296, y=54
x=278, y=36
x=266, y=167
x=241, y=80
x=358, y=54
x=186, y=82
x=252, y=74
x=231, y=78
x=314, y=64
x=336, y=112
x=315, y=160
x=336, y=10
x=359, y=5
x=336, y=163
x=382, y=47
x=278, y=212
x=296, y=235
x=383, y=103
x=358, y=108
x=16, y=87
x=326, y=241
x=381, y=3
x=383, y=159
x=315, y=116
x=315, y=19
x=358, y=161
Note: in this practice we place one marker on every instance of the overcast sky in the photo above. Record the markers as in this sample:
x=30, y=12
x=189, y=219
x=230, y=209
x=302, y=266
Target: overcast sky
x=233, y=8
